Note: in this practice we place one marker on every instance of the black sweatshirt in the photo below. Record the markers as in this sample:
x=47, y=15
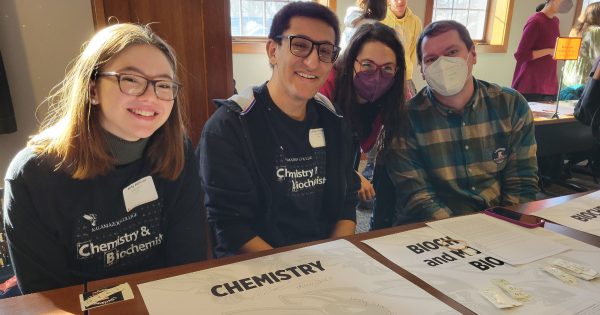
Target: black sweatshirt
x=238, y=156
x=63, y=231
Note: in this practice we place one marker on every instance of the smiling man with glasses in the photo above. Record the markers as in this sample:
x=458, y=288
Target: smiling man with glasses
x=276, y=160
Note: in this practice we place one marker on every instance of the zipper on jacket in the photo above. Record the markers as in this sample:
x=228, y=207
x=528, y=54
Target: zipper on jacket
x=255, y=162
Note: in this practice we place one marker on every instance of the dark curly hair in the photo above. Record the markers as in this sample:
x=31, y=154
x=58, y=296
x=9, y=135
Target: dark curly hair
x=281, y=20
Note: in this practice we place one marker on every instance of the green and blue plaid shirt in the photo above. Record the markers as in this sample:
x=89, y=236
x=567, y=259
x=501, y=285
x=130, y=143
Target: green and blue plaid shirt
x=462, y=163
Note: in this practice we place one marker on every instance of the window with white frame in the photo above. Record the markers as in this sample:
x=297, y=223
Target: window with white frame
x=252, y=18
x=488, y=21
x=251, y=21
x=470, y=13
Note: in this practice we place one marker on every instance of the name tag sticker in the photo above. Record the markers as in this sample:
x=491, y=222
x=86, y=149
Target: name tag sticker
x=121, y=292
x=316, y=137
x=139, y=193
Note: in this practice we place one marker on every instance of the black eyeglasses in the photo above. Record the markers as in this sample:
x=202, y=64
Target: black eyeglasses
x=301, y=46
x=136, y=85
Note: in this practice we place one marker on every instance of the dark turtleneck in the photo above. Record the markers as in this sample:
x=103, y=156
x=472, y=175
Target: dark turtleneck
x=125, y=151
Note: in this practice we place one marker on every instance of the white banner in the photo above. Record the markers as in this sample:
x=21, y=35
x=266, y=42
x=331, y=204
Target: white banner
x=461, y=276
x=581, y=213
x=329, y=278
x=499, y=237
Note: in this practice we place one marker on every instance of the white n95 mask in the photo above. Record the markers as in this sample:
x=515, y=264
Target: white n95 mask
x=447, y=75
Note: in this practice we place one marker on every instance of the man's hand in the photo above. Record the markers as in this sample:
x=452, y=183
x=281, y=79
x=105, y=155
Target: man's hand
x=440, y=214
x=343, y=228
x=256, y=244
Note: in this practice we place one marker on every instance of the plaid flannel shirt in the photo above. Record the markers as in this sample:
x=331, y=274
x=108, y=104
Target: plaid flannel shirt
x=467, y=162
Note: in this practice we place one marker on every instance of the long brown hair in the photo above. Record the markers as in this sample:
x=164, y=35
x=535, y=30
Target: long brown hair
x=71, y=133
x=590, y=17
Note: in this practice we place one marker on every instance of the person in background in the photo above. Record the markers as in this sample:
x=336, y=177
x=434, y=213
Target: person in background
x=587, y=108
x=577, y=72
x=365, y=11
x=110, y=185
x=408, y=26
x=368, y=84
x=535, y=72
x=277, y=159
x=470, y=144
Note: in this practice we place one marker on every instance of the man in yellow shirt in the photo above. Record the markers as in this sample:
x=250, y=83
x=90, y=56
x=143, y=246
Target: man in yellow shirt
x=408, y=26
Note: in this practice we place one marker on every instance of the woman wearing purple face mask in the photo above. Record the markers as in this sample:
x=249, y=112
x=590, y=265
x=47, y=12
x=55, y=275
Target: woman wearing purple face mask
x=535, y=72
x=367, y=83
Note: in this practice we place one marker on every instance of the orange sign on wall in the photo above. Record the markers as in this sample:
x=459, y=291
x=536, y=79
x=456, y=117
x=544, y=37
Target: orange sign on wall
x=567, y=48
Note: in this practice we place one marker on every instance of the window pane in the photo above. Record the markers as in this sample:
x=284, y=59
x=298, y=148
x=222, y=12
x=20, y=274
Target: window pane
x=476, y=24
x=471, y=13
x=461, y=4
x=236, y=27
x=272, y=8
x=460, y=16
x=442, y=15
x=479, y=4
x=443, y=4
x=254, y=17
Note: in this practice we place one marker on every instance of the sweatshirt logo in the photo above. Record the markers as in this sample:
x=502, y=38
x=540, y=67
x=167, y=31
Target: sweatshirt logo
x=499, y=156
x=92, y=218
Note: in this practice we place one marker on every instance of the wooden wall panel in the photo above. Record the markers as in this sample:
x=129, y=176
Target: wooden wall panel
x=199, y=31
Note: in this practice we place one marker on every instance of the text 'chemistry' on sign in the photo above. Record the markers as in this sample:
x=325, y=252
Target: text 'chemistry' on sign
x=253, y=282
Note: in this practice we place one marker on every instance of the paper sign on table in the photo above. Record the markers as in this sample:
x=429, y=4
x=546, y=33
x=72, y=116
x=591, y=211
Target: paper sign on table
x=461, y=276
x=329, y=278
x=581, y=213
x=511, y=243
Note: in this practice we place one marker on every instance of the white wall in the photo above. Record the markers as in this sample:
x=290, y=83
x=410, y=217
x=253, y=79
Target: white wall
x=249, y=69
x=38, y=38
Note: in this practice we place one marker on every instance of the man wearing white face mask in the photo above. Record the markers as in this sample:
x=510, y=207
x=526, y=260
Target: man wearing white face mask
x=470, y=144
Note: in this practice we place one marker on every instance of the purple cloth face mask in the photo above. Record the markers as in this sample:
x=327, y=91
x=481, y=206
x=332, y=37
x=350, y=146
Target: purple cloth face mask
x=371, y=85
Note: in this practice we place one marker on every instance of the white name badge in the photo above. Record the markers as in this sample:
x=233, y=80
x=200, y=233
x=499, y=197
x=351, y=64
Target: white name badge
x=316, y=137
x=139, y=193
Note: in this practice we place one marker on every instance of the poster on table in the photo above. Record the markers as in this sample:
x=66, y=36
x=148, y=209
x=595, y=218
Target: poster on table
x=498, y=237
x=325, y=279
x=462, y=274
x=581, y=213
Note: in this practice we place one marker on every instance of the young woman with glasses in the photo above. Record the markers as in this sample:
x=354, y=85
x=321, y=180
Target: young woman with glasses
x=109, y=186
x=367, y=83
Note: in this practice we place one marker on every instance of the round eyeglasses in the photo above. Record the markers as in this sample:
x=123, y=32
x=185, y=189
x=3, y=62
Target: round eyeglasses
x=136, y=85
x=367, y=65
x=301, y=46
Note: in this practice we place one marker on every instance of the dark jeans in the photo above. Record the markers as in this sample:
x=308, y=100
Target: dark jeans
x=384, y=211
